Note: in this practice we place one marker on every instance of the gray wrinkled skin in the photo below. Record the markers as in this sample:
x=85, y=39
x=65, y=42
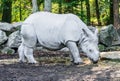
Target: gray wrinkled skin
x=55, y=31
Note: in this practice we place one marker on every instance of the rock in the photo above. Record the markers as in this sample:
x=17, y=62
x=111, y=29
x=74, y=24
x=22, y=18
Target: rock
x=109, y=36
x=3, y=37
x=115, y=55
x=6, y=26
x=113, y=48
x=14, y=40
x=17, y=25
x=7, y=50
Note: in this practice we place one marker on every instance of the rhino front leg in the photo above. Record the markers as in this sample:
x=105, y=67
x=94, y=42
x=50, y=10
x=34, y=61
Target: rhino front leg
x=74, y=51
x=29, y=54
x=71, y=58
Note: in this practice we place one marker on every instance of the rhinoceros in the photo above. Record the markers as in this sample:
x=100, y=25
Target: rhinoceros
x=56, y=31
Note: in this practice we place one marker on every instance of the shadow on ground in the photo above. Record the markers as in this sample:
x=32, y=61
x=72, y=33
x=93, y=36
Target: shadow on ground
x=49, y=69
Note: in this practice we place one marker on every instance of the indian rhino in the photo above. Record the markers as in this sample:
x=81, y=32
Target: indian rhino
x=56, y=31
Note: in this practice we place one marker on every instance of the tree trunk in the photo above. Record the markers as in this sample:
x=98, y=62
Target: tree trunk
x=39, y=2
x=88, y=12
x=69, y=8
x=116, y=14
x=7, y=9
x=35, y=6
x=97, y=12
x=60, y=6
x=47, y=5
x=82, y=9
x=20, y=11
x=111, y=12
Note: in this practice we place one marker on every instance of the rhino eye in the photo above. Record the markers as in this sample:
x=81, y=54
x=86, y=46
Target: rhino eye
x=90, y=50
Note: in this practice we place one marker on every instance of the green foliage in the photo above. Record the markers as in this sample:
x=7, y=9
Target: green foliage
x=0, y=9
x=23, y=8
x=101, y=47
x=20, y=10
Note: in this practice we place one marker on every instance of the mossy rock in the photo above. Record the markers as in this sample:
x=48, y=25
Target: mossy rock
x=7, y=50
x=113, y=48
x=101, y=47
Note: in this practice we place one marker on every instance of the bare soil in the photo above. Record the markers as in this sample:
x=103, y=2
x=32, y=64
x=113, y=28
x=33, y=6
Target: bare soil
x=56, y=66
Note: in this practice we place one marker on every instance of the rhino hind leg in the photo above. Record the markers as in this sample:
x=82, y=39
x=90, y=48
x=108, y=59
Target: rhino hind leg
x=29, y=40
x=21, y=54
x=74, y=52
x=28, y=52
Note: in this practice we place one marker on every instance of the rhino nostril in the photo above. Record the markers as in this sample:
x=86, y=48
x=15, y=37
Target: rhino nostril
x=95, y=62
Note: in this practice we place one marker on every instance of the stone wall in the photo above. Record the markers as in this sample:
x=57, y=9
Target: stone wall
x=109, y=38
x=10, y=37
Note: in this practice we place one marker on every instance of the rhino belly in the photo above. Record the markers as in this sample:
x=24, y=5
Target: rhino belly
x=50, y=44
x=50, y=40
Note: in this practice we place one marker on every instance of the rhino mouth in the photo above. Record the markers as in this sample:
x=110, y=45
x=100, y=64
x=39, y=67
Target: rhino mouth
x=93, y=61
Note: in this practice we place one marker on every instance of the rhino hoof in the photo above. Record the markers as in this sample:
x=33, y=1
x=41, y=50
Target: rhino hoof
x=34, y=62
x=31, y=63
x=79, y=63
x=22, y=62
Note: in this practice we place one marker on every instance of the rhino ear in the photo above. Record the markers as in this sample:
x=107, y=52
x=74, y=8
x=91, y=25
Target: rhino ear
x=85, y=32
x=96, y=32
x=96, y=35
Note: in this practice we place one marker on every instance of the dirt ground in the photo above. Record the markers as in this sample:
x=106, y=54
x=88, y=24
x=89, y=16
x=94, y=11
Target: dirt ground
x=56, y=66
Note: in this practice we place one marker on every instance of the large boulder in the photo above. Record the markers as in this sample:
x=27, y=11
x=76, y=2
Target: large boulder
x=17, y=25
x=14, y=40
x=112, y=55
x=108, y=36
x=3, y=37
x=6, y=26
x=7, y=50
x=9, y=28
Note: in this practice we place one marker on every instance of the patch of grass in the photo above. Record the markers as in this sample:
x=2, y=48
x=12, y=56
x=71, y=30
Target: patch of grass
x=111, y=60
x=54, y=60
